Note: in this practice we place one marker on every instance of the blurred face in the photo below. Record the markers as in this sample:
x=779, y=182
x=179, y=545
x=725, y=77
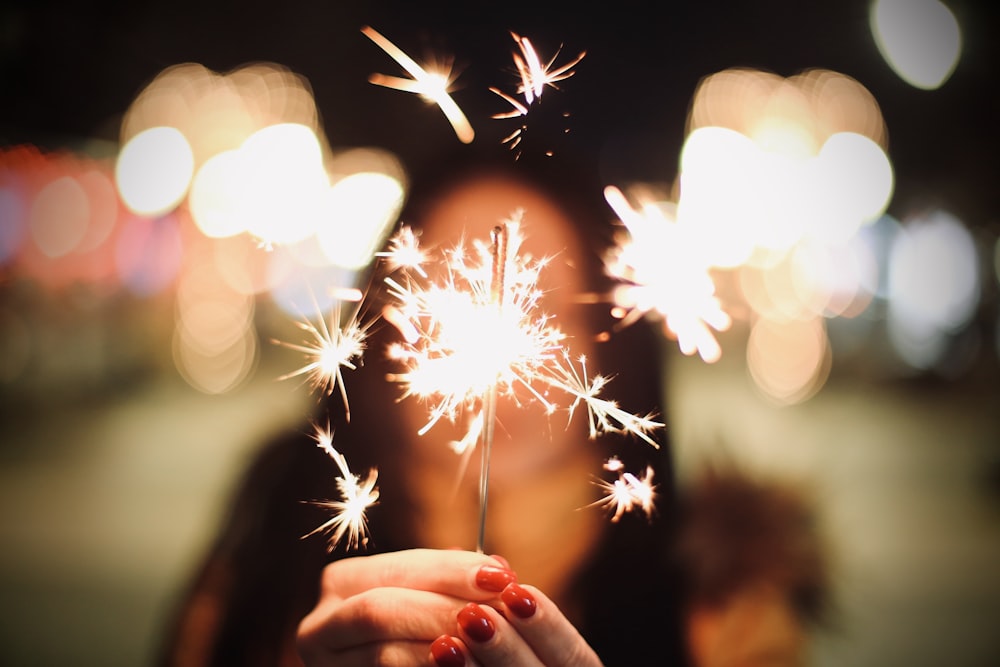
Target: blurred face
x=526, y=434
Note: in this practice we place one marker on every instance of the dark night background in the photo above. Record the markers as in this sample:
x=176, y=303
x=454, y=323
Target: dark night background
x=70, y=69
x=97, y=535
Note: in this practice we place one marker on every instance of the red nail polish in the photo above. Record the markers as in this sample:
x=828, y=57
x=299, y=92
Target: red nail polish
x=446, y=653
x=493, y=578
x=519, y=601
x=476, y=623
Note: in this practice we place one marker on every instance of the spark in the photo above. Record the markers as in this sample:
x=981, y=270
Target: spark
x=603, y=415
x=357, y=496
x=534, y=76
x=627, y=492
x=431, y=85
x=458, y=344
x=405, y=252
x=660, y=276
x=329, y=349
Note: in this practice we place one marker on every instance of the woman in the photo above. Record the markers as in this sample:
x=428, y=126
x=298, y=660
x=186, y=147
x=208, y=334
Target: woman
x=607, y=582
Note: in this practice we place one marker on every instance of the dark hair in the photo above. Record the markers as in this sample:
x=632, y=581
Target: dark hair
x=736, y=531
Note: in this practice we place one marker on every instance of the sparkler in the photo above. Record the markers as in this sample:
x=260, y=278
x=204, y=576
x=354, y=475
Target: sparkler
x=660, y=276
x=356, y=497
x=476, y=335
x=329, y=349
x=534, y=78
x=603, y=415
x=628, y=491
x=432, y=86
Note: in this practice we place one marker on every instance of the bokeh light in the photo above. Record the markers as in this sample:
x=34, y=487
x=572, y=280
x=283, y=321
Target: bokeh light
x=934, y=286
x=788, y=360
x=104, y=208
x=215, y=343
x=154, y=170
x=777, y=179
x=851, y=163
x=59, y=216
x=216, y=195
x=919, y=39
x=363, y=208
x=286, y=183
x=148, y=254
x=13, y=213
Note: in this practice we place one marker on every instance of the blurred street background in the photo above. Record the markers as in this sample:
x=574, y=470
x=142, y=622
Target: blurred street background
x=800, y=196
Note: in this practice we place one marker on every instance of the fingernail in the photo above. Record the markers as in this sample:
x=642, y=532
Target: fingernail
x=476, y=623
x=493, y=578
x=446, y=653
x=519, y=601
x=503, y=561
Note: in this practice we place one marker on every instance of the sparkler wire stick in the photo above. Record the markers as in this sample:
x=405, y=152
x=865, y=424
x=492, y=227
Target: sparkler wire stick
x=497, y=289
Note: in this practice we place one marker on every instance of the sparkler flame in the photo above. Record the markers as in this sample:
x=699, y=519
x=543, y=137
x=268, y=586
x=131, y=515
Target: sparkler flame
x=432, y=86
x=458, y=344
x=603, y=415
x=349, y=519
x=627, y=492
x=534, y=77
x=330, y=349
x=660, y=276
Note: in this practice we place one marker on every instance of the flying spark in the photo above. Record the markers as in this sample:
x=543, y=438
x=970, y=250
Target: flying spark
x=627, y=492
x=603, y=415
x=356, y=496
x=329, y=349
x=660, y=276
x=404, y=252
x=432, y=86
x=534, y=77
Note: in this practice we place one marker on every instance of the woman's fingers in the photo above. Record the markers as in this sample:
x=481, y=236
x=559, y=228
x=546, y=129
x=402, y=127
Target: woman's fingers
x=464, y=574
x=537, y=619
x=532, y=632
x=378, y=615
x=385, y=609
x=491, y=641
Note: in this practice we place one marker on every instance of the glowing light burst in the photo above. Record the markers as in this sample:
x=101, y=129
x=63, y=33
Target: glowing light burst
x=660, y=276
x=405, y=252
x=432, y=86
x=627, y=492
x=534, y=77
x=603, y=415
x=349, y=519
x=458, y=344
x=330, y=348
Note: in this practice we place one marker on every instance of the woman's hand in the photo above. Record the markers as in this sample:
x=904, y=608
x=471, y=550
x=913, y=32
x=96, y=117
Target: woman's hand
x=526, y=630
x=389, y=608
x=386, y=609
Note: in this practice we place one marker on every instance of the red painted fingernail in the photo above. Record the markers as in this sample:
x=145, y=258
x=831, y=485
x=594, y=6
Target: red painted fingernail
x=493, y=578
x=519, y=601
x=446, y=653
x=476, y=623
x=503, y=561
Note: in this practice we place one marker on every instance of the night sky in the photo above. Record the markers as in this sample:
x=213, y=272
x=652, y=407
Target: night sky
x=70, y=70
